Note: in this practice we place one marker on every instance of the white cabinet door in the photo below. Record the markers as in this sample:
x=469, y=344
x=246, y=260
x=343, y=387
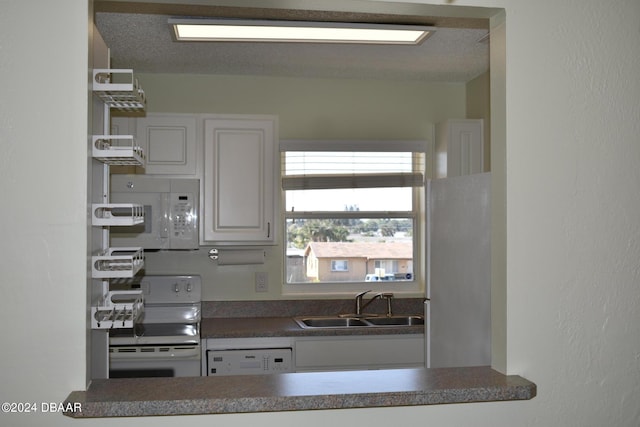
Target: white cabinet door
x=359, y=352
x=240, y=168
x=169, y=143
x=459, y=148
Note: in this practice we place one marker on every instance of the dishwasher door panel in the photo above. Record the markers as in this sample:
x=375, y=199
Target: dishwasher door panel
x=249, y=361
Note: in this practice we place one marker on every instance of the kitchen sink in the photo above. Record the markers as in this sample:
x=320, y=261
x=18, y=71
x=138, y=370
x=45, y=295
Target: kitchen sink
x=396, y=320
x=329, y=322
x=357, y=322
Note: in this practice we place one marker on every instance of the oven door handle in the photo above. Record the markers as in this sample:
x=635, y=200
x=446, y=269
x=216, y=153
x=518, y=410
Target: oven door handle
x=176, y=352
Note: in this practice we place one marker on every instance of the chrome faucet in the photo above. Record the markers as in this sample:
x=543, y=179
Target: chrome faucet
x=360, y=307
x=359, y=301
x=389, y=297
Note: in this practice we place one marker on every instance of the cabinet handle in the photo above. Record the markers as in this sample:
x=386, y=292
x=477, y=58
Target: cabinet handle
x=269, y=229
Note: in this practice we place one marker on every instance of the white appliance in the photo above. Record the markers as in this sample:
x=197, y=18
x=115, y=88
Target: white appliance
x=249, y=361
x=458, y=303
x=170, y=210
x=166, y=341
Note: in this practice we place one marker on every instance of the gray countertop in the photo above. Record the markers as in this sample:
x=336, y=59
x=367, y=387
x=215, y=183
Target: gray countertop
x=295, y=391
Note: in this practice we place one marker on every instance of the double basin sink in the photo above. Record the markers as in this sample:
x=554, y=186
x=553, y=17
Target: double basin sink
x=358, y=322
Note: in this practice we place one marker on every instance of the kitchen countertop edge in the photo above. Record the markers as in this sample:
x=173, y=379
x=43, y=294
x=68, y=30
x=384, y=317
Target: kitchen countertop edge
x=135, y=397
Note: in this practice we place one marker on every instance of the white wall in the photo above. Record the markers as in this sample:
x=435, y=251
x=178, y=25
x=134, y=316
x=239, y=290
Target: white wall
x=572, y=204
x=43, y=174
x=573, y=234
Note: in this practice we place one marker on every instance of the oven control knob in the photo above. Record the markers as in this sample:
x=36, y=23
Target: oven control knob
x=188, y=287
x=176, y=288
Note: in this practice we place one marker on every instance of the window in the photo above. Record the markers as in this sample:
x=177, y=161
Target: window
x=339, y=265
x=352, y=214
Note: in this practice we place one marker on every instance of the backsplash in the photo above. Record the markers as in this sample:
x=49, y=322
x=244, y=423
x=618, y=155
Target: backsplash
x=291, y=308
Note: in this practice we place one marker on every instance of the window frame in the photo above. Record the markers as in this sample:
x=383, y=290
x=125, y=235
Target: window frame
x=413, y=288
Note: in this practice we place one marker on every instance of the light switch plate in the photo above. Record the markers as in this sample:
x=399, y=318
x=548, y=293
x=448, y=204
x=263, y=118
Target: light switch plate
x=262, y=281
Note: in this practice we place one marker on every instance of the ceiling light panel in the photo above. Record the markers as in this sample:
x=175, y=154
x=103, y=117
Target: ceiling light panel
x=296, y=32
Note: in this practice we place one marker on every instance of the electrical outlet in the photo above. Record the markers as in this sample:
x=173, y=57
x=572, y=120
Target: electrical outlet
x=262, y=281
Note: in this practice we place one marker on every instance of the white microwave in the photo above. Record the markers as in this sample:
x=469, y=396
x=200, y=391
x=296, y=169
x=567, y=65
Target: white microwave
x=170, y=211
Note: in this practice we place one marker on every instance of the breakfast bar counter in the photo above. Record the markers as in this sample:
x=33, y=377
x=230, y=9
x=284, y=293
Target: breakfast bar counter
x=295, y=392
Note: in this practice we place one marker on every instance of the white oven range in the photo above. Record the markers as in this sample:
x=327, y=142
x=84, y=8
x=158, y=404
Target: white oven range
x=166, y=340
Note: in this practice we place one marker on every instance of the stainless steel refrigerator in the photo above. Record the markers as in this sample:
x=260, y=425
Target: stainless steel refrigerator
x=458, y=294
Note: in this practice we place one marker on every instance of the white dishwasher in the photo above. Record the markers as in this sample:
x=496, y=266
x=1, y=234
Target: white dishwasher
x=248, y=356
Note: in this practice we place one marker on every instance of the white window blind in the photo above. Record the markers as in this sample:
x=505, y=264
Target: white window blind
x=314, y=165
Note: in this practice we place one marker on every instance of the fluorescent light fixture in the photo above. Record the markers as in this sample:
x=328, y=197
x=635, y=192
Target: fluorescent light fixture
x=198, y=29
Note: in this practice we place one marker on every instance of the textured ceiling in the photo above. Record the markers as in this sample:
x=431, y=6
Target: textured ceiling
x=141, y=39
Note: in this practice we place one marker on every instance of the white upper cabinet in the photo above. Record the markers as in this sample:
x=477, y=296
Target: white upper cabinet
x=169, y=142
x=123, y=125
x=459, y=148
x=240, y=178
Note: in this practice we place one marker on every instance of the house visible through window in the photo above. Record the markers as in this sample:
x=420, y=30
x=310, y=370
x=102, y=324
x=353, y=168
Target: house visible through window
x=351, y=210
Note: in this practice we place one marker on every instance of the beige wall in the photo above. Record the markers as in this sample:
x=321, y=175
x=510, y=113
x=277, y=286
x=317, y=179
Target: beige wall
x=479, y=107
x=571, y=198
x=313, y=108
x=357, y=270
x=306, y=108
